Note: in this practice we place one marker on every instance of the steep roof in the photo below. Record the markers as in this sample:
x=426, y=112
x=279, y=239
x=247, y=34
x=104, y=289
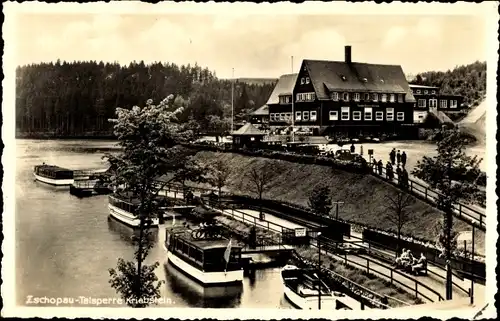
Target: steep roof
x=261, y=111
x=284, y=86
x=327, y=76
x=248, y=129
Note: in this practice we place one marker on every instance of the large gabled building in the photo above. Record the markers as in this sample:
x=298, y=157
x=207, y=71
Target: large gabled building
x=344, y=98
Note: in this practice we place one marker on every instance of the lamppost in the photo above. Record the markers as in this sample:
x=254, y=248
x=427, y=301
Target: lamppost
x=319, y=271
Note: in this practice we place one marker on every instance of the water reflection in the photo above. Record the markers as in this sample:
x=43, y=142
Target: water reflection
x=197, y=295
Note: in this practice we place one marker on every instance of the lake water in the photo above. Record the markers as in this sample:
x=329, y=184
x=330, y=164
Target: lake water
x=65, y=245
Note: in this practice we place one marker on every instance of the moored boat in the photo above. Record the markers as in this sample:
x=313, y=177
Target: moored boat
x=304, y=290
x=123, y=210
x=53, y=175
x=206, y=257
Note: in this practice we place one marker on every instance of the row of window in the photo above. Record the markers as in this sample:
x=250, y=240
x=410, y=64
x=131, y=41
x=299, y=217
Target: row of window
x=368, y=115
x=443, y=103
x=299, y=116
x=305, y=80
x=426, y=92
x=334, y=115
x=335, y=96
x=306, y=97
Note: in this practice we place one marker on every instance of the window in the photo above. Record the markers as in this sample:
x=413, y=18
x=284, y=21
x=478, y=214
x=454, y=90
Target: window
x=335, y=96
x=285, y=99
x=308, y=80
x=288, y=116
x=421, y=103
x=433, y=92
x=345, y=113
x=443, y=103
x=298, y=115
x=271, y=117
x=345, y=96
x=306, y=97
x=375, y=97
x=453, y=104
x=401, y=116
x=367, y=96
x=384, y=98
x=310, y=96
x=419, y=92
x=356, y=96
x=313, y=115
x=400, y=98
x=356, y=115
x=379, y=115
x=368, y=113
x=302, y=81
x=305, y=116
x=282, y=116
x=426, y=92
x=334, y=115
x=433, y=103
x=392, y=98
x=390, y=114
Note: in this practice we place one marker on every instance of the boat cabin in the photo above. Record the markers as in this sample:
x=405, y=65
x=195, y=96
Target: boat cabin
x=206, y=255
x=54, y=172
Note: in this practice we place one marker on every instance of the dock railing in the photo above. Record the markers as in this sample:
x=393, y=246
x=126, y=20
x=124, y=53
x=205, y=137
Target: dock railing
x=462, y=211
x=331, y=249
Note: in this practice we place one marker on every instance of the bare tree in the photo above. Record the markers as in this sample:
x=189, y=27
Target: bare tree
x=260, y=179
x=398, y=212
x=219, y=172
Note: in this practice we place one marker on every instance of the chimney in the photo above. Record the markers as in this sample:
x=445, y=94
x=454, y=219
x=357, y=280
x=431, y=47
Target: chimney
x=348, y=54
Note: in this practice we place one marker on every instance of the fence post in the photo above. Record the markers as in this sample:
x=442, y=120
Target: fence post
x=411, y=186
x=345, y=257
x=416, y=290
x=391, y=276
x=426, y=193
x=460, y=209
x=367, y=266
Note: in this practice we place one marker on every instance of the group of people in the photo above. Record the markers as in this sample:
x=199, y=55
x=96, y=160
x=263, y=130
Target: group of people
x=398, y=157
x=408, y=262
x=353, y=149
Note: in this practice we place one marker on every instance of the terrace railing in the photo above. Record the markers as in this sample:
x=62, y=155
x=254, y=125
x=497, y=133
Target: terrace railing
x=468, y=214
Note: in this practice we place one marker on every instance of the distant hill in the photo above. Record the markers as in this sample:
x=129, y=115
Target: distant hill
x=257, y=81
x=468, y=81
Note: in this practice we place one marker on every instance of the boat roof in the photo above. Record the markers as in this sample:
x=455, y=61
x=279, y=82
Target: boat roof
x=184, y=233
x=54, y=168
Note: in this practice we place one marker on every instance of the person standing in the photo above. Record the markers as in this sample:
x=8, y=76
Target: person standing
x=403, y=159
x=398, y=172
x=361, y=150
x=380, y=167
x=353, y=148
x=388, y=171
x=398, y=157
x=392, y=156
x=405, y=177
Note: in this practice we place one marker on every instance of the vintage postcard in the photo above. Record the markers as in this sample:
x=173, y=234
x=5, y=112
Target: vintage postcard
x=249, y=161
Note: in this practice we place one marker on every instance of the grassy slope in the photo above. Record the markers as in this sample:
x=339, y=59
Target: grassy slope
x=364, y=195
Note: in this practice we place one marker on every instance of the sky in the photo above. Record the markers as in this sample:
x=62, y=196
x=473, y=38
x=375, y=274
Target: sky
x=255, y=45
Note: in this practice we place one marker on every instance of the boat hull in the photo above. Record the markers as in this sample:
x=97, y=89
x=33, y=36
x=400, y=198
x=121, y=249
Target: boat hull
x=205, y=278
x=55, y=182
x=127, y=218
x=309, y=303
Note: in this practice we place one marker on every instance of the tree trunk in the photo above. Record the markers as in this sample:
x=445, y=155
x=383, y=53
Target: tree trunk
x=449, y=227
x=139, y=258
x=398, y=246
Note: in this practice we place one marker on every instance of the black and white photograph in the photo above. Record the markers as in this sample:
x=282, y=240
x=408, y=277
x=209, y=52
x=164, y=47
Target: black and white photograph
x=262, y=161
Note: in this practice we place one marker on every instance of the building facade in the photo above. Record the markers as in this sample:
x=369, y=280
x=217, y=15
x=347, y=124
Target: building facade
x=260, y=117
x=428, y=99
x=343, y=98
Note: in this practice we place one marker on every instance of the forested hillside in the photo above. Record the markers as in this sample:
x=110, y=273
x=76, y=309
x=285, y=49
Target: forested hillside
x=468, y=81
x=77, y=98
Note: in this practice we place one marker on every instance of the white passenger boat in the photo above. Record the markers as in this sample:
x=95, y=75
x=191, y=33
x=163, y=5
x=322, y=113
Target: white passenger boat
x=123, y=210
x=210, y=261
x=53, y=175
x=304, y=290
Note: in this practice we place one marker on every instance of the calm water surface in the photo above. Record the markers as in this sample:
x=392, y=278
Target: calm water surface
x=65, y=245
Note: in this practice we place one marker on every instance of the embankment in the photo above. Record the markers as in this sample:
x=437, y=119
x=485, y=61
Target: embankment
x=364, y=196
